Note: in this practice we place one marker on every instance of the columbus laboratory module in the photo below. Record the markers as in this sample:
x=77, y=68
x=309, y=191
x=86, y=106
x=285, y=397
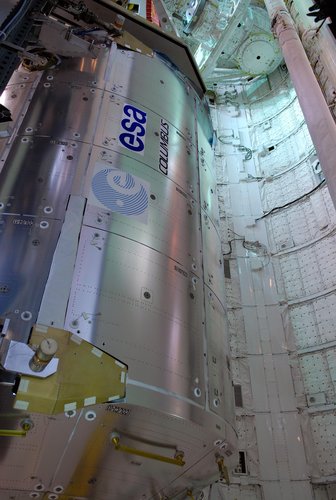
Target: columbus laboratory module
x=115, y=372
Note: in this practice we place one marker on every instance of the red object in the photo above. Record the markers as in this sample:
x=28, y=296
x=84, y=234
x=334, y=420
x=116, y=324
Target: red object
x=151, y=14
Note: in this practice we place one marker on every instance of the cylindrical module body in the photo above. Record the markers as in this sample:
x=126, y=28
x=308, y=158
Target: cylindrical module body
x=110, y=231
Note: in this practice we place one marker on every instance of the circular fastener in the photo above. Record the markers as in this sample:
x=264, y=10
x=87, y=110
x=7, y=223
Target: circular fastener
x=70, y=413
x=4, y=288
x=224, y=445
x=197, y=392
x=34, y=494
x=48, y=210
x=26, y=315
x=24, y=139
x=46, y=85
x=216, y=402
x=147, y=295
x=194, y=280
x=27, y=424
x=193, y=267
x=39, y=487
x=58, y=489
x=50, y=77
x=90, y=416
x=44, y=224
x=52, y=496
x=29, y=129
x=92, y=91
x=76, y=134
x=2, y=205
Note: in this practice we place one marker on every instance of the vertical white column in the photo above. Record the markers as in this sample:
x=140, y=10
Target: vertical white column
x=320, y=123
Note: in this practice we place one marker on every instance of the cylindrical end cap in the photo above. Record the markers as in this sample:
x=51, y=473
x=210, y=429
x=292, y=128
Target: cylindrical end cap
x=48, y=347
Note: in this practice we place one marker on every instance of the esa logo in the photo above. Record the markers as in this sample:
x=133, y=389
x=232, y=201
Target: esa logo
x=133, y=126
x=121, y=192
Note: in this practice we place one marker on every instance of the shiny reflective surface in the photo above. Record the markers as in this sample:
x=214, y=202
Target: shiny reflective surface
x=27, y=244
x=137, y=266
x=182, y=159
x=39, y=172
x=119, y=304
x=174, y=233
x=170, y=93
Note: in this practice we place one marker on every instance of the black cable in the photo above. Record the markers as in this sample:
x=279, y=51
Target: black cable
x=275, y=209
x=230, y=246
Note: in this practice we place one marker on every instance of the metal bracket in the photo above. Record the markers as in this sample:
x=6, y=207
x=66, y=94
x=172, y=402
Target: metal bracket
x=177, y=460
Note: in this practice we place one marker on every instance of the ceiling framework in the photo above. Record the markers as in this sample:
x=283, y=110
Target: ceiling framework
x=227, y=36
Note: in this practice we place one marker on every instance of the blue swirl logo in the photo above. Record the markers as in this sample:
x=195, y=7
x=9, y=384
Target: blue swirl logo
x=120, y=192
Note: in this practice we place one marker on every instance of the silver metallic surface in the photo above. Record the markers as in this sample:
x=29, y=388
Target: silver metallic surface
x=27, y=244
x=56, y=112
x=55, y=298
x=212, y=258
x=220, y=386
x=130, y=245
x=170, y=94
x=141, y=306
x=208, y=191
x=205, y=138
x=163, y=226
x=182, y=155
x=18, y=91
x=43, y=169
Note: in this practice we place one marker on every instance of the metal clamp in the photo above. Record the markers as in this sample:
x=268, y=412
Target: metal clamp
x=177, y=460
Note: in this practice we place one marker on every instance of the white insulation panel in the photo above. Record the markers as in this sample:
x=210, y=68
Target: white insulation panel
x=307, y=271
x=287, y=120
x=301, y=222
x=233, y=492
x=324, y=436
x=285, y=154
x=279, y=190
x=313, y=322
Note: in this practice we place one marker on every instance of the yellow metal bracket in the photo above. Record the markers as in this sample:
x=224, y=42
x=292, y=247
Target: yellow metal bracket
x=12, y=433
x=223, y=471
x=177, y=460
